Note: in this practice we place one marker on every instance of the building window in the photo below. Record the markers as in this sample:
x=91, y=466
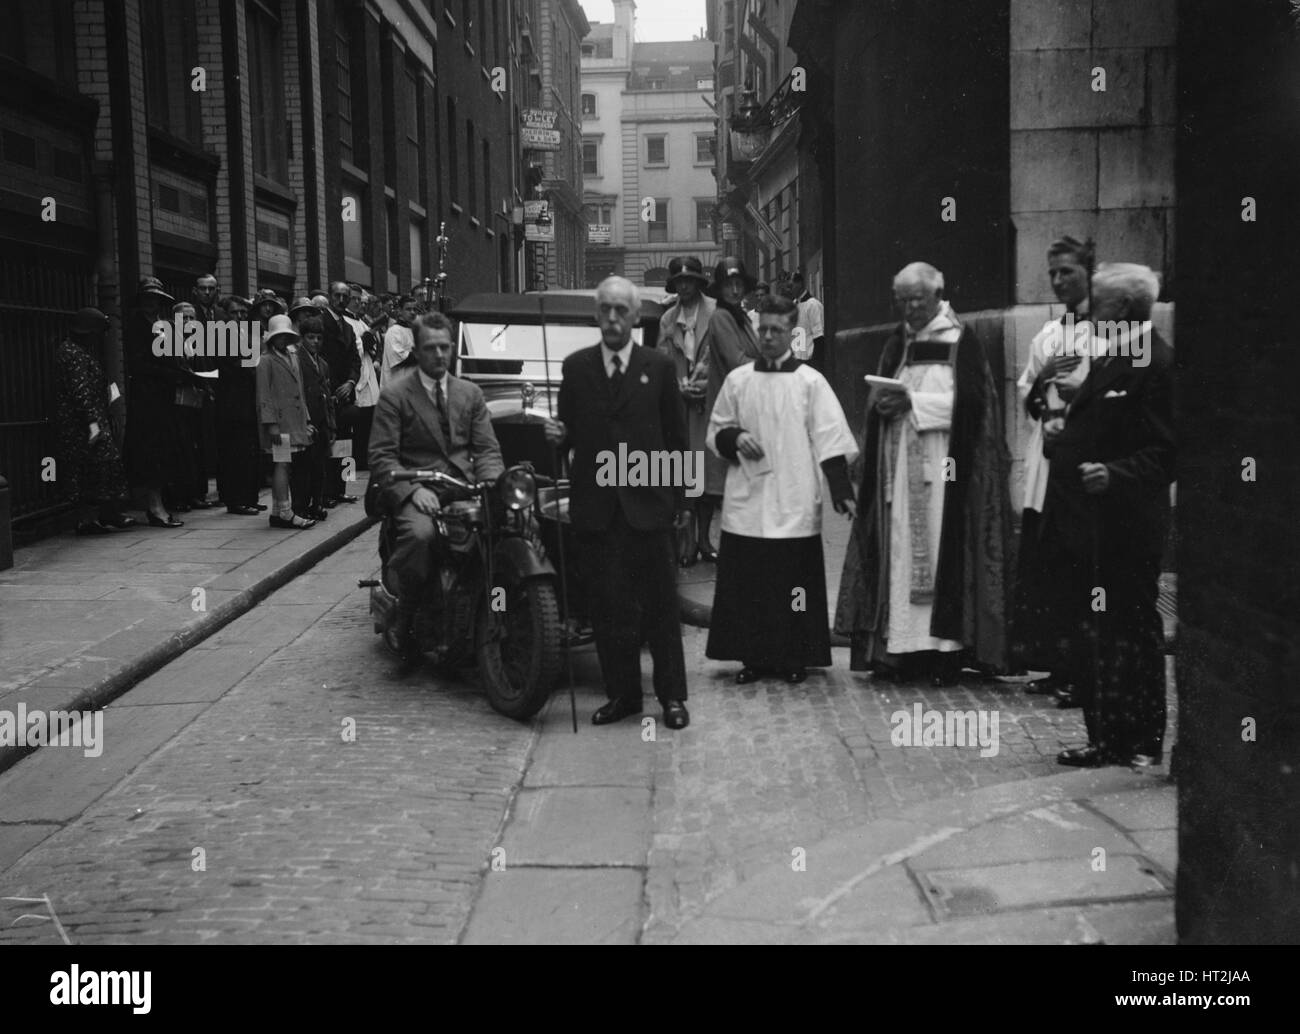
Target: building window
x=469, y=167
x=343, y=78
x=657, y=228
x=390, y=230
x=39, y=35
x=417, y=251
x=654, y=84
x=704, y=220
x=266, y=91
x=656, y=150
x=496, y=30
x=171, y=50
x=414, y=134
x=590, y=156
x=356, y=242
x=589, y=50
x=706, y=145
x=487, y=182
x=453, y=151
x=588, y=105
x=467, y=15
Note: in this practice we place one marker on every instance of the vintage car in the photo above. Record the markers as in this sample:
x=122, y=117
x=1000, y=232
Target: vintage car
x=513, y=347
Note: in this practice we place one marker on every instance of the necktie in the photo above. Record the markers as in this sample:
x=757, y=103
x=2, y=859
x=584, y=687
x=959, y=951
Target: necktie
x=441, y=403
x=616, y=378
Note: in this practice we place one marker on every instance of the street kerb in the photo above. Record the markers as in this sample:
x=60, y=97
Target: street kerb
x=135, y=670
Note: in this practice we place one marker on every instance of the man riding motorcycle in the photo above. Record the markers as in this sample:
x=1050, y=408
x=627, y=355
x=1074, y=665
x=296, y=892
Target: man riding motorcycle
x=426, y=419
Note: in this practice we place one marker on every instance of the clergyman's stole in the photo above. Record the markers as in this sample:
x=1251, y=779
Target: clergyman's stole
x=921, y=589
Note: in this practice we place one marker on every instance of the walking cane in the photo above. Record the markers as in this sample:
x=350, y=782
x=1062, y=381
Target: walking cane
x=1098, y=698
x=559, y=523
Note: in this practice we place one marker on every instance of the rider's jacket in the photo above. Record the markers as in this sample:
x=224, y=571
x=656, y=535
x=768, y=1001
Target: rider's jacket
x=407, y=433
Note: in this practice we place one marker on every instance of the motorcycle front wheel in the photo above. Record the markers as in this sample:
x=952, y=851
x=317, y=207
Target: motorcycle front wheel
x=519, y=649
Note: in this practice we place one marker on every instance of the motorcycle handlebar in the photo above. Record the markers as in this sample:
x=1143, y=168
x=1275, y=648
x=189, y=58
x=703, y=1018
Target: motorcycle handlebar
x=438, y=477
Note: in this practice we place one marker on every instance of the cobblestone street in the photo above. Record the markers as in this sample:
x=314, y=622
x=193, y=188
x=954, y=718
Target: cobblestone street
x=228, y=805
x=306, y=837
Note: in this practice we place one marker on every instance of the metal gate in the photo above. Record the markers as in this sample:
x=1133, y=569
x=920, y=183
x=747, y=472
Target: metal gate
x=40, y=290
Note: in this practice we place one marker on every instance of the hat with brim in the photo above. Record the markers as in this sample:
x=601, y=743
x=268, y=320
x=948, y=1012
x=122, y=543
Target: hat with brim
x=152, y=285
x=688, y=268
x=303, y=305
x=264, y=296
x=89, y=321
x=724, y=270
x=281, y=326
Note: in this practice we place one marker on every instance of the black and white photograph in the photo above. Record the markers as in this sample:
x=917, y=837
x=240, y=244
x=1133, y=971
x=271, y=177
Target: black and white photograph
x=649, y=473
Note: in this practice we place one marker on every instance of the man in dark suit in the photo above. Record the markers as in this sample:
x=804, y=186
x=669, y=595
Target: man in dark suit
x=617, y=395
x=431, y=420
x=344, y=358
x=1106, y=516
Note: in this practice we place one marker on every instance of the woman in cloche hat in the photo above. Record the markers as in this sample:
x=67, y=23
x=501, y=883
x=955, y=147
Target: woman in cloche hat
x=732, y=343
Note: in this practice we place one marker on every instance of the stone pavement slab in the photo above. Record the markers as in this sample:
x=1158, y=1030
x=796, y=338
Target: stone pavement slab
x=578, y=825
x=89, y=617
x=557, y=906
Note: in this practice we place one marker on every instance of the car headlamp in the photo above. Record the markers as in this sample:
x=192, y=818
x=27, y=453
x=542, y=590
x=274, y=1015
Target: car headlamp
x=518, y=489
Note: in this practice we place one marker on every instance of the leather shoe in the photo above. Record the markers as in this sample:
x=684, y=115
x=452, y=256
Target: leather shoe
x=171, y=522
x=1044, y=687
x=616, y=710
x=294, y=522
x=346, y=499
x=243, y=511
x=747, y=675
x=316, y=513
x=675, y=715
x=1084, y=757
x=1146, y=760
x=1065, y=698
x=120, y=520
x=796, y=676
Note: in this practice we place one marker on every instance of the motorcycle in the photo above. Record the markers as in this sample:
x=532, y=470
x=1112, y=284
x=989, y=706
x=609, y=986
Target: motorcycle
x=494, y=600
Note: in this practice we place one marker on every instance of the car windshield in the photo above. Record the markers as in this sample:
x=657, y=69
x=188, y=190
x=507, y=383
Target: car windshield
x=516, y=350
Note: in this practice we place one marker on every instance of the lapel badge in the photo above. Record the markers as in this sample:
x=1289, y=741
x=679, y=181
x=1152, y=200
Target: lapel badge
x=645, y=379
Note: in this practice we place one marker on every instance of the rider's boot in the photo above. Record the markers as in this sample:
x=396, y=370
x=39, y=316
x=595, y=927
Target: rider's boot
x=406, y=633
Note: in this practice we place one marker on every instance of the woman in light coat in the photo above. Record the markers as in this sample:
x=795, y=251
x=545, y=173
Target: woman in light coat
x=732, y=343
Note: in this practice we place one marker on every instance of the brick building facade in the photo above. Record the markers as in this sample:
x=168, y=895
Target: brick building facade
x=277, y=143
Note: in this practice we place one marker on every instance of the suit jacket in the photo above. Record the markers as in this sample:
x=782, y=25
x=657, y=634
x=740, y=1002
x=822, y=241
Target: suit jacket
x=646, y=414
x=1122, y=416
x=339, y=347
x=316, y=387
x=406, y=433
x=281, y=399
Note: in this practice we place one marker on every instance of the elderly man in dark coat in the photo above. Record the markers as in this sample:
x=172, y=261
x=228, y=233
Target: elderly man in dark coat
x=925, y=577
x=618, y=398
x=1106, y=516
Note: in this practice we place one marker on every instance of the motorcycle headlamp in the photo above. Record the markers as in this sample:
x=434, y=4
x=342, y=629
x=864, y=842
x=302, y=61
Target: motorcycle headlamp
x=518, y=489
